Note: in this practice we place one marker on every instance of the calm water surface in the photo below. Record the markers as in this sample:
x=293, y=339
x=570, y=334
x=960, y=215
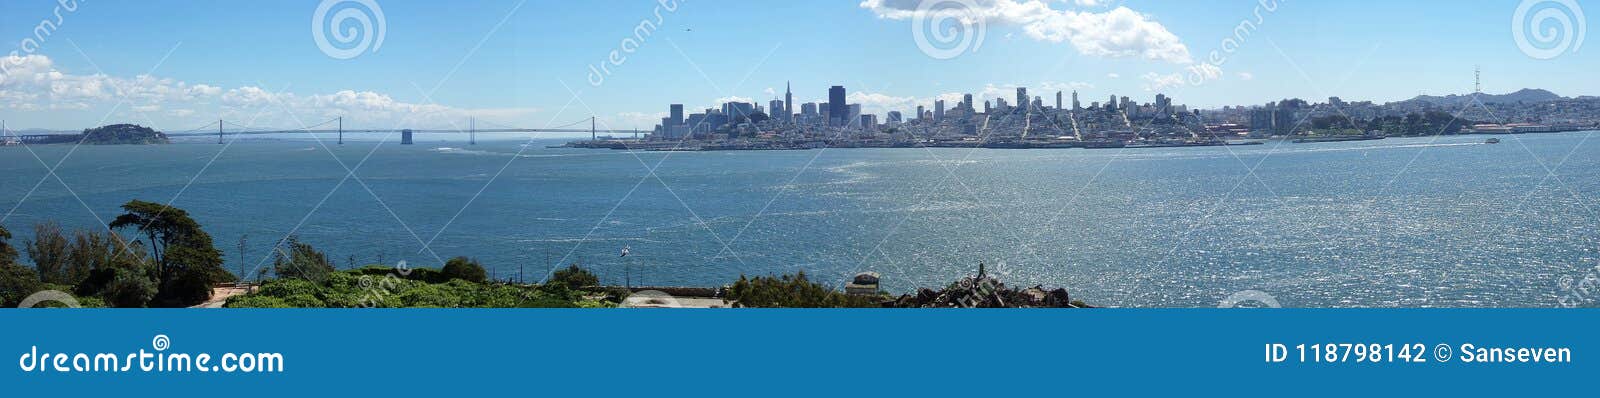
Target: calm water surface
x=1447, y=222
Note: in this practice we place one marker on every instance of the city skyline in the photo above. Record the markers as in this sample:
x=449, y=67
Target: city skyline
x=508, y=62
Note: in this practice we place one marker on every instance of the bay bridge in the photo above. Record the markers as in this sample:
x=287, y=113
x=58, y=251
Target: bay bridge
x=222, y=128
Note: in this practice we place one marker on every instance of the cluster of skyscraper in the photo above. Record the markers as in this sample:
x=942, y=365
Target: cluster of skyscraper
x=738, y=118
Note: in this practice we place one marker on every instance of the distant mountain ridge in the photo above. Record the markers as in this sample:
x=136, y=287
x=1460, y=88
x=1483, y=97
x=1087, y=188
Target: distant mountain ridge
x=1527, y=95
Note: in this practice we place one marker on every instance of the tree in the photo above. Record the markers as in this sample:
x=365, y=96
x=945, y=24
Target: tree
x=8, y=254
x=187, y=264
x=465, y=269
x=574, y=277
x=16, y=281
x=48, y=249
x=301, y=261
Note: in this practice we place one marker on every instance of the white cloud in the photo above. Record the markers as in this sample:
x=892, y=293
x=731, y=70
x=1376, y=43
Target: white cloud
x=1157, y=82
x=32, y=83
x=1116, y=33
x=1247, y=76
x=1113, y=76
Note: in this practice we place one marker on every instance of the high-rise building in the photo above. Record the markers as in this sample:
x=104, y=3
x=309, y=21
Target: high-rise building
x=1022, y=98
x=1058, y=100
x=919, y=112
x=839, y=111
x=1075, y=105
x=893, y=118
x=808, y=109
x=938, y=110
x=852, y=113
x=987, y=108
x=788, y=102
x=677, y=115
x=775, y=109
x=966, y=101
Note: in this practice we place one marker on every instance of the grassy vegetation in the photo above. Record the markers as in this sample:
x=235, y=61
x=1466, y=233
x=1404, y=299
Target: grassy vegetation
x=385, y=287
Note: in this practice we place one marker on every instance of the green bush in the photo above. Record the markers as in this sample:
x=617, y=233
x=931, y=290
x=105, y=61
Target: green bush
x=465, y=269
x=256, y=301
x=16, y=283
x=574, y=278
x=129, y=289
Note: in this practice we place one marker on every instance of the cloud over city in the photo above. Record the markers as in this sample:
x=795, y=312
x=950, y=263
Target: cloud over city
x=1116, y=33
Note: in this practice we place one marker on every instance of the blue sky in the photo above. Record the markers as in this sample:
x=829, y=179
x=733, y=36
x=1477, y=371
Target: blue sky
x=520, y=63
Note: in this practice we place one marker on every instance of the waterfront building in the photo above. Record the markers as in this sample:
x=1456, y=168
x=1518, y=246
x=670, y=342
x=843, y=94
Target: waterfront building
x=676, y=117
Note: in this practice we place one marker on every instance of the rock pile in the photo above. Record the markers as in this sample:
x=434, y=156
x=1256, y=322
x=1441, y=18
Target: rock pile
x=983, y=291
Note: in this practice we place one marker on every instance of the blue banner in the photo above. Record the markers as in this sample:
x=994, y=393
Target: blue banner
x=798, y=352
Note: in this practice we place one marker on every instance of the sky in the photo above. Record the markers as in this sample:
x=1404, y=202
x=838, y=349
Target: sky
x=176, y=65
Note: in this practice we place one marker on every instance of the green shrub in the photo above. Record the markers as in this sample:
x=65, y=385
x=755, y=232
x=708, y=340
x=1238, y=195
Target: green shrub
x=16, y=283
x=465, y=269
x=129, y=289
x=574, y=278
x=256, y=301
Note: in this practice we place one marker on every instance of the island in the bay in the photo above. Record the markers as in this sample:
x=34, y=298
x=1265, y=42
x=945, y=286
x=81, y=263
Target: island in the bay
x=116, y=134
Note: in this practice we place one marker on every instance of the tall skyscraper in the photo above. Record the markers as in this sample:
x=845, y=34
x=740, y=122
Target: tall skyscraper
x=788, y=102
x=1076, y=106
x=966, y=100
x=838, y=111
x=938, y=110
x=775, y=109
x=1058, y=100
x=808, y=109
x=919, y=112
x=1022, y=98
x=677, y=115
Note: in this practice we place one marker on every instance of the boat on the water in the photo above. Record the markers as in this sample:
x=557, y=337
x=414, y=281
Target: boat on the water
x=1492, y=141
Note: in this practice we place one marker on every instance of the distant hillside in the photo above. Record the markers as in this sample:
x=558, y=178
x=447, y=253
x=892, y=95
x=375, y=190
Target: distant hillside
x=1527, y=95
x=123, y=134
